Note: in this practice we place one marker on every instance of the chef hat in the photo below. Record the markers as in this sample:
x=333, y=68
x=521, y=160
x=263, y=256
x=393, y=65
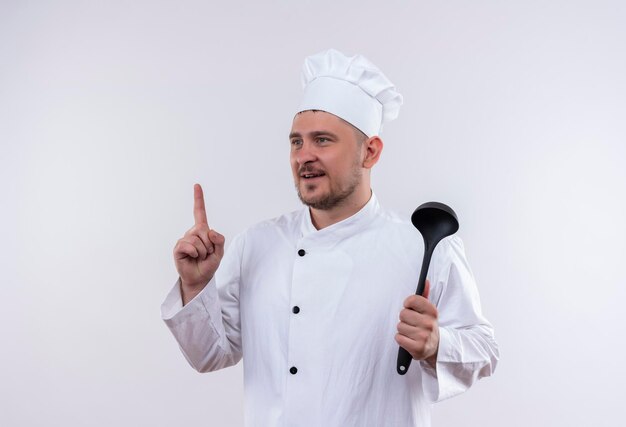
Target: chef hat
x=351, y=88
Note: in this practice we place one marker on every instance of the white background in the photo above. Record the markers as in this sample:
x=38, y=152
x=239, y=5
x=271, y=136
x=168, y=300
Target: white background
x=109, y=112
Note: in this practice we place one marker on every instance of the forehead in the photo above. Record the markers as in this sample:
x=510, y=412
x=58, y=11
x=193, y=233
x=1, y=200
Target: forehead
x=309, y=121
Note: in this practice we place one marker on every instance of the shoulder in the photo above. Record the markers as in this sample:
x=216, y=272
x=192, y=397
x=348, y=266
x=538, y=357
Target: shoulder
x=394, y=223
x=451, y=247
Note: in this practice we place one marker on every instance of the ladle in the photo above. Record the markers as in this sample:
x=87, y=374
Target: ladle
x=434, y=221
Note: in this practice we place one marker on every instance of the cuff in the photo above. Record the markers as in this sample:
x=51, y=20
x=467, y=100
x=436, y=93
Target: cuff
x=435, y=379
x=173, y=312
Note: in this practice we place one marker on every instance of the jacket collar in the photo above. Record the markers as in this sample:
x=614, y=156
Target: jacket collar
x=342, y=229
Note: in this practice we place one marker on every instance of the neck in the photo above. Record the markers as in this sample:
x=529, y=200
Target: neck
x=324, y=218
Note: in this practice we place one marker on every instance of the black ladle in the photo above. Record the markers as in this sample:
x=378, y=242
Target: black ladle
x=434, y=221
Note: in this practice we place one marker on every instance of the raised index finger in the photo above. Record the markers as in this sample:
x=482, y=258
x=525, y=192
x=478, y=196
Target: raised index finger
x=199, y=213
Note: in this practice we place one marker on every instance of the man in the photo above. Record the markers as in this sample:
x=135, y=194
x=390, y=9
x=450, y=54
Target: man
x=317, y=301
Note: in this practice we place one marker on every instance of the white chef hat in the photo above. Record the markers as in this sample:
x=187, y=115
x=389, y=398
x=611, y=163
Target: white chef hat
x=351, y=88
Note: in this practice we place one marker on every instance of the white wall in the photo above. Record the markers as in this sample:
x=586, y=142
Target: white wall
x=109, y=112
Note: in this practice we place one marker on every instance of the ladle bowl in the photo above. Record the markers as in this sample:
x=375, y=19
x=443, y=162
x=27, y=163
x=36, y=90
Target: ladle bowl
x=434, y=221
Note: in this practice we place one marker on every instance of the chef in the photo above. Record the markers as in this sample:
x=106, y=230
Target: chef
x=317, y=301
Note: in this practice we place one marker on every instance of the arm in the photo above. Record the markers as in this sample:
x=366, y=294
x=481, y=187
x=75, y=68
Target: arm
x=207, y=328
x=467, y=350
x=202, y=310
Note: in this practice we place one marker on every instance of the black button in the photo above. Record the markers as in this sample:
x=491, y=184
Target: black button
x=301, y=252
x=293, y=370
x=295, y=309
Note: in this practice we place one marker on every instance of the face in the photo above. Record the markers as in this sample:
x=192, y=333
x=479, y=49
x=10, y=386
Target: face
x=325, y=159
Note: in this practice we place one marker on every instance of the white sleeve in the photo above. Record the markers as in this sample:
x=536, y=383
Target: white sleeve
x=208, y=328
x=467, y=347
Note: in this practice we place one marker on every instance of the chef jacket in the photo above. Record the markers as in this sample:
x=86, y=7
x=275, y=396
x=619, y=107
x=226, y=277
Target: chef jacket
x=314, y=314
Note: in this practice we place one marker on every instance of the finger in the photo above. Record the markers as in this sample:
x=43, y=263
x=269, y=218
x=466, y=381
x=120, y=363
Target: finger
x=406, y=330
x=420, y=305
x=202, y=232
x=405, y=343
x=419, y=329
x=197, y=243
x=412, y=317
x=218, y=242
x=415, y=302
x=419, y=337
x=199, y=212
x=184, y=250
x=426, y=289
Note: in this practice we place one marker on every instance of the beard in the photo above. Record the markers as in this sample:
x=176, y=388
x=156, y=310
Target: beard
x=335, y=196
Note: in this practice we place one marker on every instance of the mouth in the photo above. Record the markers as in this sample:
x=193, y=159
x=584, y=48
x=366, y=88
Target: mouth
x=311, y=175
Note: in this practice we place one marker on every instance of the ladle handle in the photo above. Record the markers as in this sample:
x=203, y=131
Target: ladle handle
x=404, y=357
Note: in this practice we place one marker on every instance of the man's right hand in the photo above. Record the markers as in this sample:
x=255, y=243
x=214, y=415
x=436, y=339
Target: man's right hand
x=199, y=252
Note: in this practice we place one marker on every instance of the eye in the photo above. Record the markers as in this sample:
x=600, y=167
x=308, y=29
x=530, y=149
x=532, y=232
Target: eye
x=296, y=142
x=322, y=139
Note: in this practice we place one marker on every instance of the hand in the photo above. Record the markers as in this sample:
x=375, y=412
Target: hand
x=199, y=252
x=418, y=330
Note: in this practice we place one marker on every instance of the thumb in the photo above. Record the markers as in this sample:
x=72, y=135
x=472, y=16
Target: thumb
x=426, y=289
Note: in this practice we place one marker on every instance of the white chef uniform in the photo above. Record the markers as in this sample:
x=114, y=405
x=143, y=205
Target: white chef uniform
x=314, y=314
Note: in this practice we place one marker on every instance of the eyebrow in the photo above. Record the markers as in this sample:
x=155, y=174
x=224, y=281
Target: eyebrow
x=313, y=134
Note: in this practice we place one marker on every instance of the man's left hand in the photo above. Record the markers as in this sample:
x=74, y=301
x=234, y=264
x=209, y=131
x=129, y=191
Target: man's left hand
x=418, y=330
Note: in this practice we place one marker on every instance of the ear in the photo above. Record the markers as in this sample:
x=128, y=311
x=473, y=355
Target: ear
x=373, y=147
